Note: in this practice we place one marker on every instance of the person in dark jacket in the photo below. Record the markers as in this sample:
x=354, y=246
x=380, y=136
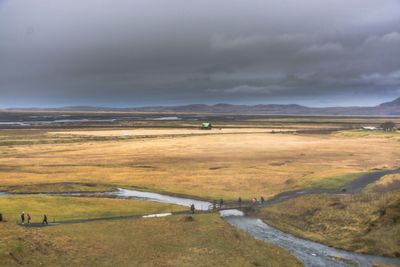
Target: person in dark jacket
x=192, y=208
x=45, y=219
x=28, y=216
x=23, y=217
x=221, y=203
x=240, y=201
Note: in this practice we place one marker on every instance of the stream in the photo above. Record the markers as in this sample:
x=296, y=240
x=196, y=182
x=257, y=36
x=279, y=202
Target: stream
x=125, y=193
x=310, y=253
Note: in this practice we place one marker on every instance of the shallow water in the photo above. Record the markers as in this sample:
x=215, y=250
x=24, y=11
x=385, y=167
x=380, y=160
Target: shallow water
x=309, y=252
x=169, y=118
x=125, y=193
x=157, y=215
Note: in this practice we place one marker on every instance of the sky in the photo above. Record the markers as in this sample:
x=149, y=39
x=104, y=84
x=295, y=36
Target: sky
x=128, y=53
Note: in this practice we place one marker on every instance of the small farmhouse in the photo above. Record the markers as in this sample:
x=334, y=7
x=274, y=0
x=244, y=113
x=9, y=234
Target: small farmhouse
x=206, y=126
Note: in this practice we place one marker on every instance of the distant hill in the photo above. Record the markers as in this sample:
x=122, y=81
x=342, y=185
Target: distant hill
x=388, y=108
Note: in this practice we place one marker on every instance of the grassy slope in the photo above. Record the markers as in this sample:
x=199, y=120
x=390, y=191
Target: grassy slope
x=172, y=241
x=365, y=223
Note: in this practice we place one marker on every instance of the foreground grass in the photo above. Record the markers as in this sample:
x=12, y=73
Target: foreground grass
x=66, y=208
x=172, y=241
x=367, y=222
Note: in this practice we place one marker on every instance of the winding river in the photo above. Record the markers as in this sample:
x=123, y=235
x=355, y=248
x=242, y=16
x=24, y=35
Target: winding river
x=310, y=253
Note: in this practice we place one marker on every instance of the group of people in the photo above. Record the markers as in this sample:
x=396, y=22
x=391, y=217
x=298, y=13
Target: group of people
x=28, y=218
x=221, y=203
x=254, y=201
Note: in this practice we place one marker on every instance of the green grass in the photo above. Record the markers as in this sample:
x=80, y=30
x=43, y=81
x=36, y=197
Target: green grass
x=66, y=208
x=334, y=182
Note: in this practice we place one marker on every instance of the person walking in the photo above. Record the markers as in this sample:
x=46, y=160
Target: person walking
x=28, y=217
x=192, y=208
x=262, y=200
x=240, y=202
x=221, y=203
x=45, y=219
x=23, y=217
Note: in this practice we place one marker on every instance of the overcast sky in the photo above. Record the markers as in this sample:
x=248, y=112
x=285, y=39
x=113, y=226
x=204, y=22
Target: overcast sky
x=166, y=52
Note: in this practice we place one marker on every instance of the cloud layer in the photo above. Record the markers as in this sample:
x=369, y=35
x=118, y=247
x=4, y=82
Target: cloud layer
x=132, y=53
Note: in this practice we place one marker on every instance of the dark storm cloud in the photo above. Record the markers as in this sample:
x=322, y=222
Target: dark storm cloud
x=120, y=52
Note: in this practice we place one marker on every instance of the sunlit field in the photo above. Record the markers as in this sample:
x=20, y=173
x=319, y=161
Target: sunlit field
x=235, y=159
x=207, y=166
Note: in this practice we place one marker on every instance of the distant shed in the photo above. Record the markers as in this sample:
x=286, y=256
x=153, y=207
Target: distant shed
x=206, y=126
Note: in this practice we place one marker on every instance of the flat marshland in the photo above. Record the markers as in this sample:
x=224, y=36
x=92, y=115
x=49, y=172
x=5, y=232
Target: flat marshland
x=245, y=157
x=213, y=165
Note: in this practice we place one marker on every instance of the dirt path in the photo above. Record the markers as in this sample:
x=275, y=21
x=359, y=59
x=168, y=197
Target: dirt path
x=130, y=217
x=352, y=187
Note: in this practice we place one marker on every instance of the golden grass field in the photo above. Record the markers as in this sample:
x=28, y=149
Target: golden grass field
x=214, y=164
x=207, y=166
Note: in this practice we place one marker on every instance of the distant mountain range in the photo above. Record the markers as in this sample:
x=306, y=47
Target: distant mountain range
x=389, y=108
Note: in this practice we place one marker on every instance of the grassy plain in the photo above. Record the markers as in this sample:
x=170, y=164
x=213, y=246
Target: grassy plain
x=244, y=161
x=208, y=166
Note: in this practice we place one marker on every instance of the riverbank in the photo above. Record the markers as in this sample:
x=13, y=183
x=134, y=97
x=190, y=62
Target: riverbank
x=364, y=216
x=366, y=223
x=310, y=253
